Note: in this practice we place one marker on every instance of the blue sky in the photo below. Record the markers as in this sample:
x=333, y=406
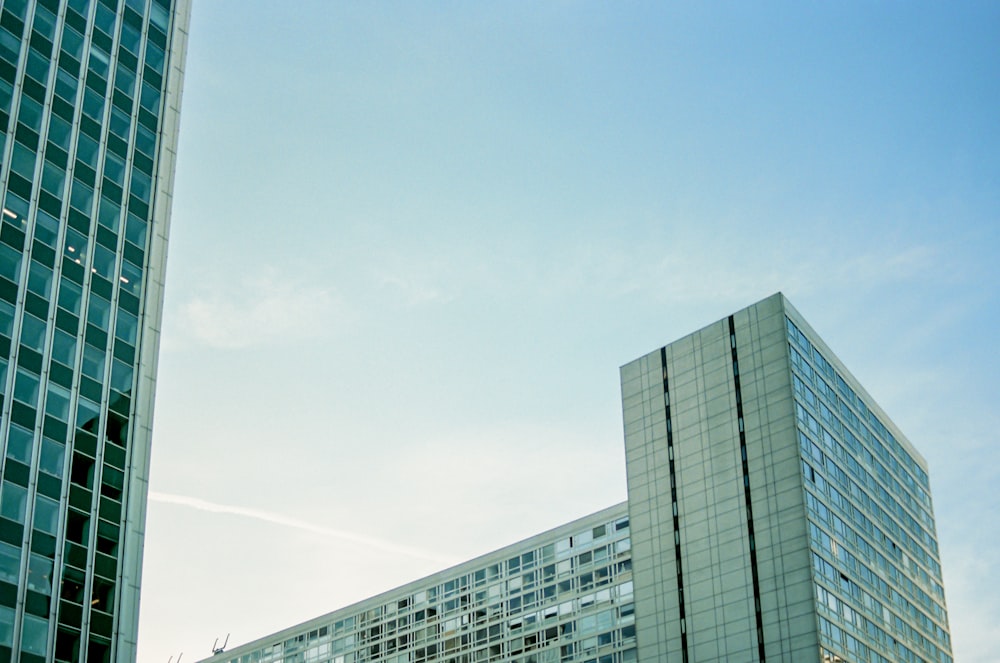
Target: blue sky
x=412, y=243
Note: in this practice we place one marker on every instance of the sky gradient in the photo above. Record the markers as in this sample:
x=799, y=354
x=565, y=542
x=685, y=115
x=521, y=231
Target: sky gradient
x=412, y=243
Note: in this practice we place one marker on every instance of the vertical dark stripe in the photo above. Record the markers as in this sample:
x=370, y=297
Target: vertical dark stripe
x=746, y=492
x=674, y=509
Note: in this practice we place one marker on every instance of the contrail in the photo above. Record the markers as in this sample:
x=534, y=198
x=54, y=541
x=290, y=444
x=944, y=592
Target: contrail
x=285, y=521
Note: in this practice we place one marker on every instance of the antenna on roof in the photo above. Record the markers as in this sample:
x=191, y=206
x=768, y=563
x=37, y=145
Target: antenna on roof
x=216, y=649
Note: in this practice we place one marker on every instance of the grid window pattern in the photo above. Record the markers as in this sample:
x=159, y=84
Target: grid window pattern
x=871, y=529
x=82, y=126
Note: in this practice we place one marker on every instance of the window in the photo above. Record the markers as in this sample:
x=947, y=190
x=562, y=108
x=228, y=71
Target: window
x=40, y=279
x=131, y=278
x=99, y=312
x=46, y=515
x=53, y=457
x=33, y=332
x=53, y=179
x=46, y=228
x=76, y=246
x=19, y=444
x=34, y=635
x=104, y=262
x=22, y=161
x=93, y=363
x=13, y=500
x=10, y=569
x=126, y=327
x=30, y=114
x=57, y=402
x=6, y=318
x=110, y=214
x=26, y=387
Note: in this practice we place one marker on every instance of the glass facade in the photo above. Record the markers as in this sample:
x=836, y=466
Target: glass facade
x=565, y=595
x=871, y=529
x=89, y=91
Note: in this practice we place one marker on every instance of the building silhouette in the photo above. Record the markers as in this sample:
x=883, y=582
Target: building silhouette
x=89, y=100
x=774, y=512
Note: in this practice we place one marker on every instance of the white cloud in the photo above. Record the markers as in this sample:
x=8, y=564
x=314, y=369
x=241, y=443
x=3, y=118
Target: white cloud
x=257, y=311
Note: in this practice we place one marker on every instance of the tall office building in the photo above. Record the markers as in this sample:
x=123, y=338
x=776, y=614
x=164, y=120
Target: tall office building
x=89, y=99
x=775, y=513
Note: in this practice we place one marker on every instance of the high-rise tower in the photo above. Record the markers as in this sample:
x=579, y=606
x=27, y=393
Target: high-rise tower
x=776, y=511
x=89, y=110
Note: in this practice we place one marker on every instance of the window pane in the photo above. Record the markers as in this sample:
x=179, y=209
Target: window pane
x=13, y=500
x=53, y=457
x=19, y=444
x=46, y=514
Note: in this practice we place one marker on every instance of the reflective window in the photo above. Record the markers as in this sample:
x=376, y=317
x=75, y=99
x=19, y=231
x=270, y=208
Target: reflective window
x=76, y=246
x=130, y=38
x=22, y=161
x=99, y=312
x=46, y=514
x=104, y=262
x=53, y=179
x=32, y=332
x=120, y=123
x=87, y=413
x=131, y=278
x=82, y=196
x=30, y=114
x=26, y=387
x=100, y=61
x=38, y=66
x=6, y=317
x=40, y=280
x=93, y=105
x=121, y=376
x=59, y=132
x=72, y=42
x=66, y=85
x=154, y=57
x=46, y=228
x=53, y=457
x=10, y=263
x=40, y=574
x=34, y=635
x=64, y=347
x=93, y=363
x=114, y=168
x=20, y=442
x=110, y=214
x=7, y=619
x=10, y=569
x=70, y=296
x=126, y=326
x=87, y=150
x=57, y=402
x=45, y=23
x=135, y=230
x=13, y=501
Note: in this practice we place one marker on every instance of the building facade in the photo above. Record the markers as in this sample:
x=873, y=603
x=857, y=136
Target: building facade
x=89, y=110
x=777, y=513
x=564, y=595
x=774, y=513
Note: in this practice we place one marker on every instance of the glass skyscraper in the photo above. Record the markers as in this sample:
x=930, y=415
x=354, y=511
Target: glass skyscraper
x=89, y=100
x=775, y=513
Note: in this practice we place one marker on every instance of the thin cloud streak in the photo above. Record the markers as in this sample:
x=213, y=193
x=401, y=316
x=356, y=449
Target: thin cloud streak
x=294, y=523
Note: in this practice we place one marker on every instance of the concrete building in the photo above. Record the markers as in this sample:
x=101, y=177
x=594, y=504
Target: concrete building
x=89, y=99
x=774, y=513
